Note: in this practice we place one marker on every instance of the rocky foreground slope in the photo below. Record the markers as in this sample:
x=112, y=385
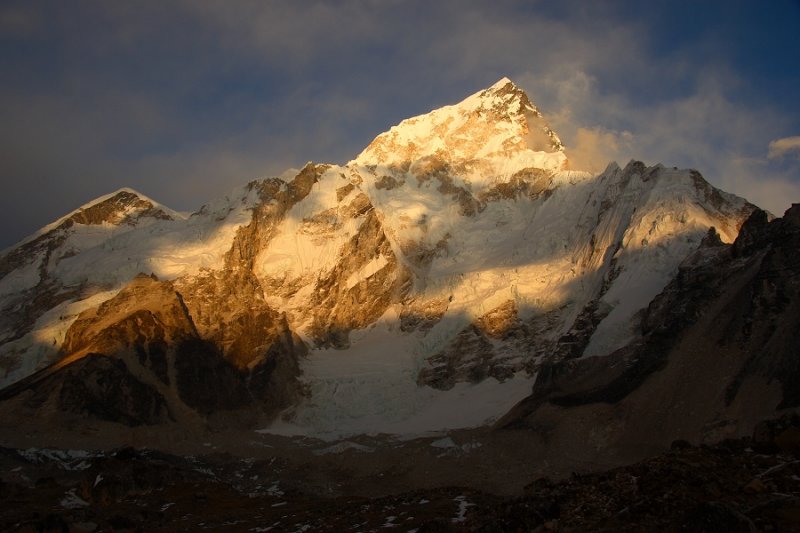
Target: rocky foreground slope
x=747, y=484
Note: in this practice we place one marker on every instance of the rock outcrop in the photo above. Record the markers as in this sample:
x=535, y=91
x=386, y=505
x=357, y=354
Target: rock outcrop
x=138, y=358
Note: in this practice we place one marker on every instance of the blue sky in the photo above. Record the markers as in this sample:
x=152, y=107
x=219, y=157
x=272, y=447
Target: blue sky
x=185, y=100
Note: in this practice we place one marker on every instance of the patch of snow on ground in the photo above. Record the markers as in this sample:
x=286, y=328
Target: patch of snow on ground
x=66, y=459
x=72, y=500
x=446, y=442
x=343, y=446
x=463, y=505
x=274, y=489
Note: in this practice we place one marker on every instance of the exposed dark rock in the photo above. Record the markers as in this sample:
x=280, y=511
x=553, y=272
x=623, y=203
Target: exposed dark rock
x=574, y=342
x=468, y=358
x=102, y=387
x=472, y=357
x=422, y=316
x=342, y=192
x=778, y=436
x=530, y=182
x=716, y=517
x=124, y=207
x=752, y=235
x=342, y=302
x=206, y=381
x=387, y=182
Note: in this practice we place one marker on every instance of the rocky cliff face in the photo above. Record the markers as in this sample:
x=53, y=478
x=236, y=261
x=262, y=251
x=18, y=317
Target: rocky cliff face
x=450, y=260
x=717, y=353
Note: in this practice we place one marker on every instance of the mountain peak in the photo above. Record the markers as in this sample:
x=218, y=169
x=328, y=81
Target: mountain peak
x=502, y=82
x=510, y=96
x=496, y=124
x=124, y=206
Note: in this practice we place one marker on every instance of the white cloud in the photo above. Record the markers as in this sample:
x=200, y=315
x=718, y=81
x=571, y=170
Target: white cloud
x=780, y=148
x=593, y=148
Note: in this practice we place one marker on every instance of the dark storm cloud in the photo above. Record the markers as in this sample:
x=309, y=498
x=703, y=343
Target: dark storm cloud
x=184, y=100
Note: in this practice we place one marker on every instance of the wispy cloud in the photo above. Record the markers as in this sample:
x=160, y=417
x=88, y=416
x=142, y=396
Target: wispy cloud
x=594, y=148
x=787, y=146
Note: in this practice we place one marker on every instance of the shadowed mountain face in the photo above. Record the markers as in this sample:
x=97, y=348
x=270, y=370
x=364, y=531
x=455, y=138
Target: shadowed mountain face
x=450, y=263
x=138, y=358
x=718, y=352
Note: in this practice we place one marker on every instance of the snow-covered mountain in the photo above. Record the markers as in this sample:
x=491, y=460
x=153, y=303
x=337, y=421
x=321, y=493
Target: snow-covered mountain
x=418, y=287
x=718, y=354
